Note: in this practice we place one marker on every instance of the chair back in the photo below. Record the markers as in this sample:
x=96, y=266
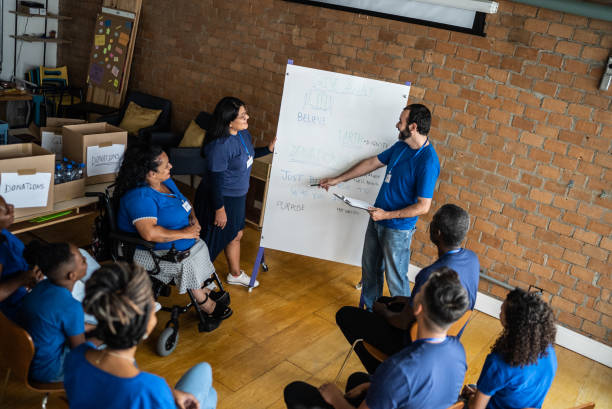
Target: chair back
x=53, y=77
x=203, y=120
x=454, y=329
x=16, y=348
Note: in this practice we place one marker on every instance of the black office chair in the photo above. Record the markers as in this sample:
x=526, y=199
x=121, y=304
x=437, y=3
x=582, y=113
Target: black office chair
x=111, y=243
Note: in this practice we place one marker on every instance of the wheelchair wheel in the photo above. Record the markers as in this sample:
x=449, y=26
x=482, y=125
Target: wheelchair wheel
x=167, y=341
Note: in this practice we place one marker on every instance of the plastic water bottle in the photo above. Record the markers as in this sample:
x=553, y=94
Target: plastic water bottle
x=58, y=174
x=69, y=174
x=81, y=170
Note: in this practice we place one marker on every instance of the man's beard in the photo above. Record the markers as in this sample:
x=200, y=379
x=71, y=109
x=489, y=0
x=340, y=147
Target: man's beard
x=402, y=136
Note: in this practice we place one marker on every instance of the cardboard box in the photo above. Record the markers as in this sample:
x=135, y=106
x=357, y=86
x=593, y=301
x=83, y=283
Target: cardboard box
x=28, y=158
x=69, y=190
x=78, y=138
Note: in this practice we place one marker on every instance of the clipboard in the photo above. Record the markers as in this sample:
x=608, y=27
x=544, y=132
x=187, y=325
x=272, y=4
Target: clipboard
x=359, y=204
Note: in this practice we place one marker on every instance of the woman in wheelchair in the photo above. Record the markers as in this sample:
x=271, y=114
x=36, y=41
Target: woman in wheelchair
x=151, y=205
x=120, y=298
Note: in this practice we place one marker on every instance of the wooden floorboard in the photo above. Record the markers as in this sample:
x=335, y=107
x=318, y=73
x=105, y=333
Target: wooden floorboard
x=285, y=330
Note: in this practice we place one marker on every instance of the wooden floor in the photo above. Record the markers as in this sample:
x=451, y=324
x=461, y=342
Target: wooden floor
x=285, y=331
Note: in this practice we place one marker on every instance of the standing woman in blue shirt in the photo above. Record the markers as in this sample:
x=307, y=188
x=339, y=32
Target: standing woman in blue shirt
x=522, y=364
x=221, y=196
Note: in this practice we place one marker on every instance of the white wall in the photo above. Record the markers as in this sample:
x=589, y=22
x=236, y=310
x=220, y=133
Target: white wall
x=29, y=55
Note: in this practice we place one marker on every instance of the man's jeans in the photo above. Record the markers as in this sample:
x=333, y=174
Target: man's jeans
x=387, y=250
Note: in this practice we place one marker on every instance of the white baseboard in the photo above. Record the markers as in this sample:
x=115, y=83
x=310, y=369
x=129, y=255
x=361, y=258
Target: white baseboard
x=566, y=338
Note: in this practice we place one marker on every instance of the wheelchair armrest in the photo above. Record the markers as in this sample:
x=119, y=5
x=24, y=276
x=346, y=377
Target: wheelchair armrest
x=131, y=238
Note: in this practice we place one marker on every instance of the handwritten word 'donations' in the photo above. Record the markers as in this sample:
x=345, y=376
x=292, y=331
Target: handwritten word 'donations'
x=22, y=187
x=292, y=207
x=105, y=159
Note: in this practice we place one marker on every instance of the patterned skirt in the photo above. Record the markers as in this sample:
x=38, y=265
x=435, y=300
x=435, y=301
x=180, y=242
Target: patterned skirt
x=189, y=274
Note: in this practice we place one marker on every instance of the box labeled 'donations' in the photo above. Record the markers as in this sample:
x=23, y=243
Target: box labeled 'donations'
x=26, y=178
x=99, y=145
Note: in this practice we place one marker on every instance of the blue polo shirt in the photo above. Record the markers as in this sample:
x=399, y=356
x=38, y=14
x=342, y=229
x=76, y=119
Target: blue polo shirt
x=423, y=374
x=229, y=155
x=414, y=173
x=514, y=386
x=168, y=209
x=12, y=261
x=464, y=262
x=50, y=315
x=89, y=387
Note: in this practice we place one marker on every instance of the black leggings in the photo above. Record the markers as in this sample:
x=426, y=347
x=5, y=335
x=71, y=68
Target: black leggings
x=356, y=323
x=300, y=395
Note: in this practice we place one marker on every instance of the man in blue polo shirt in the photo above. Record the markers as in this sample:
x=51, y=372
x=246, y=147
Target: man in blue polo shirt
x=406, y=193
x=388, y=327
x=428, y=373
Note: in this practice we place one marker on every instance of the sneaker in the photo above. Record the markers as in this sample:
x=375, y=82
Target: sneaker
x=242, y=279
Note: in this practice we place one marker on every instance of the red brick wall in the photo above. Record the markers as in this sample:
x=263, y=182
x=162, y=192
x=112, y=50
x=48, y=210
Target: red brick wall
x=517, y=116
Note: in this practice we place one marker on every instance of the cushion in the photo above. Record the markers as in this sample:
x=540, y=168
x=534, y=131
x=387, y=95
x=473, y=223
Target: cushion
x=194, y=135
x=137, y=117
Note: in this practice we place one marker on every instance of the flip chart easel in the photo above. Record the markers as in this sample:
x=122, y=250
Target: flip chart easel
x=328, y=122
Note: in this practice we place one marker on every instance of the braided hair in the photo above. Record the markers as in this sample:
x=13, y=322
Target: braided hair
x=138, y=161
x=444, y=298
x=49, y=257
x=120, y=297
x=529, y=328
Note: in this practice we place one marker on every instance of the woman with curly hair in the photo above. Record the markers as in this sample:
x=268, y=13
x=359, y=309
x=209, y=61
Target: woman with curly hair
x=522, y=364
x=121, y=299
x=151, y=205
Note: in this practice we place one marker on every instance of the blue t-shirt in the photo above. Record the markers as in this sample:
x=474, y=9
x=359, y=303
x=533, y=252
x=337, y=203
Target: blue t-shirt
x=168, y=209
x=230, y=155
x=414, y=174
x=423, y=374
x=464, y=262
x=517, y=387
x=89, y=387
x=50, y=315
x=12, y=261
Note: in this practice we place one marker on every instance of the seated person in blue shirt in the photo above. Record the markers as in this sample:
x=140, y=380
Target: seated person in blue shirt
x=427, y=373
x=15, y=274
x=151, y=205
x=50, y=314
x=388, y=327
x=121, y=299
x=522, y=364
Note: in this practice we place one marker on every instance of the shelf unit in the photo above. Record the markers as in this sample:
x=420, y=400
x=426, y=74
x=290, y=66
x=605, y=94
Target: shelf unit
x=33, y=39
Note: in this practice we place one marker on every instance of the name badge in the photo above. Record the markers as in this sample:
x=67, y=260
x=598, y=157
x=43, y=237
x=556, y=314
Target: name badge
x=388, y=178
x=249, y=162
x=186, y=206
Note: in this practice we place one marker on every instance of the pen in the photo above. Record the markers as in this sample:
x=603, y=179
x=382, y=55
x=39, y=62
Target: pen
x=316, y=184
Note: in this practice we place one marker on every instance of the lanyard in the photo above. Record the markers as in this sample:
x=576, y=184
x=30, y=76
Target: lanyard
x=452, y=251
x=402, y=152
x=243, y=144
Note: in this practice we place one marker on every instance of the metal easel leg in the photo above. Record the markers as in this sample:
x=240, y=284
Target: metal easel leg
x=258, y=262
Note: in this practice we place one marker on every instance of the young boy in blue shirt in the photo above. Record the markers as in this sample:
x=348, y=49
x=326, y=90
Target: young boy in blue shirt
x=427, y=373
x=50, y=314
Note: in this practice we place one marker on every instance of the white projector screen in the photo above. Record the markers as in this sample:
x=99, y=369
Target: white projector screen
x=327, y=123
x=413, y=11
